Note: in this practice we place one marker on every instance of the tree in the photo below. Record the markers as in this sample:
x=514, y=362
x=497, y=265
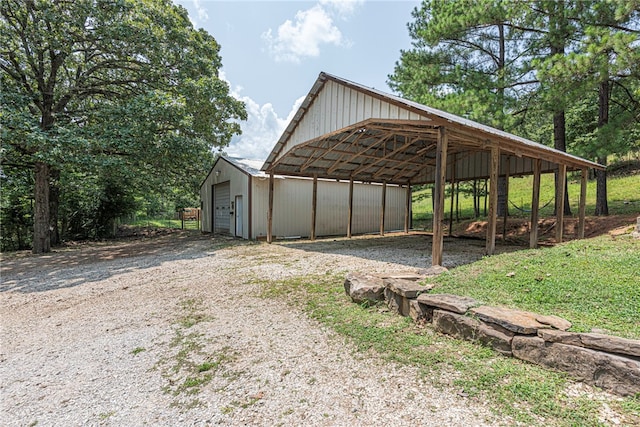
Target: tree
x=99, y=83
x=523, y=66
x=469, y=59
x=550, y=19
x=603, y=67
x=466, y=59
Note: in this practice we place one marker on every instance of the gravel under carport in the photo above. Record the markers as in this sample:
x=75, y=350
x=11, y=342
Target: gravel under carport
x=102, y=334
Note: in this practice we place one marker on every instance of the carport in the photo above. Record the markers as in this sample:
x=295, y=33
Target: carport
x=346, y=131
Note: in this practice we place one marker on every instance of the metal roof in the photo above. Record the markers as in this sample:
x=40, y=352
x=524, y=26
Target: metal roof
x=391, y=139
x=250, y=166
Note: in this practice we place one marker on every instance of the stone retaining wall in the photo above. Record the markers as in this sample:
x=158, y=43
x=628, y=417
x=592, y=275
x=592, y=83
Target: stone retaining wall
x=609, y=362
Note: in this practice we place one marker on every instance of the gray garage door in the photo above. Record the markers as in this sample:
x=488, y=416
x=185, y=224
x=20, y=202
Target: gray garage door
x=221, y=208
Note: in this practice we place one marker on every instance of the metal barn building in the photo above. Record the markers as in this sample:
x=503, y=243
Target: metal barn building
x=235, y=201
x=346, y=131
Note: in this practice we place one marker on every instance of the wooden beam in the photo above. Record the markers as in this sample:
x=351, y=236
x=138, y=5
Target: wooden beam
x=562, y=180
x=362, y=152
x=438, y=206
x=350, y=221
x=493, y=200
x=383, y=207
x=385, y=157
x=407, y=209
x=314, y=205
x=583, y=203
x=328, y=150
x=535, y=204
x=270, y=211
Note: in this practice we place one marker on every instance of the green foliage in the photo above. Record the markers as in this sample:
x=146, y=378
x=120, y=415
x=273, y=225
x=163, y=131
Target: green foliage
x=16, y=214
x=124, y=94
x=467, y=63
x=512, y=65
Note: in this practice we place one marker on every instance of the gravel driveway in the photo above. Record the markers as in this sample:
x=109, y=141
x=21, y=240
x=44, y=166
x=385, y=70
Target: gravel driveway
x=173, y=331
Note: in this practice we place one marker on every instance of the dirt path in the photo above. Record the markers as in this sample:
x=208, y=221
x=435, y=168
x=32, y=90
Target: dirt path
x=172, y=331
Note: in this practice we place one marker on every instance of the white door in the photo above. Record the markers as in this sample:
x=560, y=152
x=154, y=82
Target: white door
x=239, y=216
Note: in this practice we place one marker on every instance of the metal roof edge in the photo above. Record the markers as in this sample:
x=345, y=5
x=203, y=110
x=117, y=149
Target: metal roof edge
x=231, y=162
x=210, y=170
x=306, y=103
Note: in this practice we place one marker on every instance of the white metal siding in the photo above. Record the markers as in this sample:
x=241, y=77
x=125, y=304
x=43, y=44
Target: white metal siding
x=292, y=207
x=339, y=106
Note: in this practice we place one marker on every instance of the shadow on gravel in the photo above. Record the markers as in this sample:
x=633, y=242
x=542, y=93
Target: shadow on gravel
x=72, y=266
x=412, y=250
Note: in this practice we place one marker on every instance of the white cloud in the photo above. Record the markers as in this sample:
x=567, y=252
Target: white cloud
x=203, y=15
x=343, y=8
x=303, y=36
x=261, y=130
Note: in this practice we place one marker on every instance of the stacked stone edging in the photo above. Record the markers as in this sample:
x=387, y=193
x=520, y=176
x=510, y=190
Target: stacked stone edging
x=609, y=362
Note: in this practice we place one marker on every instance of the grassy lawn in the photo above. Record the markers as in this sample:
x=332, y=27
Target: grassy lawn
x=593, y=283
x=621, y=196
x=156, y=222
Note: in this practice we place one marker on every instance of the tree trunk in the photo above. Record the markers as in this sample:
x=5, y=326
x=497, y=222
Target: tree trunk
x=602, y=206
x=560, y=143
x=558, y=35
x=54, y=203
x=476, y=200
x=41, y=240
x=503, y=208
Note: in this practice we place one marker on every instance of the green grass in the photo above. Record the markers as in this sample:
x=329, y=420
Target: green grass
x=517, y=392
x=593, y=283
x=190, y=368
x=156, y=222
x=138, y=350
x=623, y=198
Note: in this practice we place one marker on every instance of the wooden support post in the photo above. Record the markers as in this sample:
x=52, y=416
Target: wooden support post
x=350, y=219
x=506, y=201
x=314, y=205
x=583, y=203
x=407, y=209
x=270, y=211
x=562, y=180
x=493, y=200
x=383, y=207
x=438, y=196
x=535, y=204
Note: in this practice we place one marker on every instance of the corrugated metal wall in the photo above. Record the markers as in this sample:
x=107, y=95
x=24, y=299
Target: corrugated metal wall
x=347, y=107
x=478, y=163
x=292, y=207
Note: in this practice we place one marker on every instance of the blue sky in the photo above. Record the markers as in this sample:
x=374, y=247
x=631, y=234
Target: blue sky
x=273, y=51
